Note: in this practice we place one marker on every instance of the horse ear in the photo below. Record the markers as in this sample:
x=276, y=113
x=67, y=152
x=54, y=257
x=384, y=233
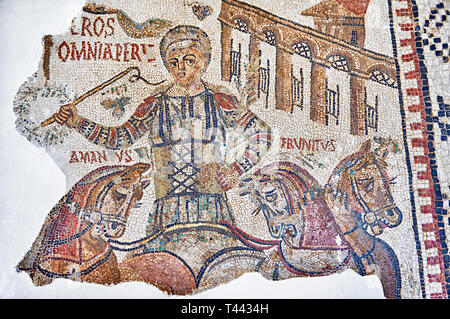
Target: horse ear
x=140, y=168
x=133, y=171
x=365, y=147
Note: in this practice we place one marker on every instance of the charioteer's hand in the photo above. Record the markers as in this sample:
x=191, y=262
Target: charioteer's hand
x=67, y=115
x=228, y=177
x=225, y=175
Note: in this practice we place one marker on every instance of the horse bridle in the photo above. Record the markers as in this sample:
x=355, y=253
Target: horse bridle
x=267, y=211
x=370, y=217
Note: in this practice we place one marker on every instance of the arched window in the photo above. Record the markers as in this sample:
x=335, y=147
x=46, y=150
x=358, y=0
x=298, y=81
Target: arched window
x=241, y=24
x=339, y=62
x=302, y=49
x=270, y=37
x=382, y=78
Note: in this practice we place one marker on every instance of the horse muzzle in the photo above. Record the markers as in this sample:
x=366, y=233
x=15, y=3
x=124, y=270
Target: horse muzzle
x=386, y=217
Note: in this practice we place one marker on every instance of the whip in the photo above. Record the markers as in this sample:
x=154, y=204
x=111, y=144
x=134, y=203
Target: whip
x=100, y=87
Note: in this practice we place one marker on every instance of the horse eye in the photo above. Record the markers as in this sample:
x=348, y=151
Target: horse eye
x=369, y=186
x=119, y=196
x=114, y=225
x=271, y=197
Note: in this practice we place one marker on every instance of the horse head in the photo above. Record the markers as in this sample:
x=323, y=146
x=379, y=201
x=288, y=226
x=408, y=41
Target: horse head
x=363, y=177
x=109, y=193
x=275, y=190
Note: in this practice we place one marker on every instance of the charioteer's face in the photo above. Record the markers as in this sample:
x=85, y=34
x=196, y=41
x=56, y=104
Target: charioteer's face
x=186, y=64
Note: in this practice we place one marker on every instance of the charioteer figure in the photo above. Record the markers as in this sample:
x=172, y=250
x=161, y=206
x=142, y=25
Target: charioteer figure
x=188, y=123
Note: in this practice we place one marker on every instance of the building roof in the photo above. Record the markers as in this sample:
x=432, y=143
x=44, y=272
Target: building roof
x=338, y=8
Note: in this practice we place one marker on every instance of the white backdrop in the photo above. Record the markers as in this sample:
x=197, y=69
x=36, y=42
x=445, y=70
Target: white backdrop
x=31, y=183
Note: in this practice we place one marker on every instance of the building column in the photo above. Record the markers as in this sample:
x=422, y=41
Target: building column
x=357, y=107
x=283, y=92
x=318, y=93
x=253, y=71
x=226, y=52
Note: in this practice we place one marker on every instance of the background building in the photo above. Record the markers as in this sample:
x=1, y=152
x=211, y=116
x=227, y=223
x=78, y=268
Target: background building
x=294, y=62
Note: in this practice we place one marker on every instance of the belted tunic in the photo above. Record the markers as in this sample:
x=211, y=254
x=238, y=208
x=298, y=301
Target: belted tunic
x=186, y=132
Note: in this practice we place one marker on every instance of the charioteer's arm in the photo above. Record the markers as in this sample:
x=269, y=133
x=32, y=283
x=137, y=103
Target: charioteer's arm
x=111, y=137
x=256, y=133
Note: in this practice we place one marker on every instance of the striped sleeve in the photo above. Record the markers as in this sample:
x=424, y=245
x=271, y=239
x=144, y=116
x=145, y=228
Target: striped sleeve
x=125, y=135
x=256, y=132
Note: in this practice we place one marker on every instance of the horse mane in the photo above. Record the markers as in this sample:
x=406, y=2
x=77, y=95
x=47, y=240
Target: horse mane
x=100, y=174
x=356, y=161
x=340, y=178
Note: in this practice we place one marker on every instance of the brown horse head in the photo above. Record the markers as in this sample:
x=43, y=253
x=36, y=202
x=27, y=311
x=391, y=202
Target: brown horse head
x=110, y=194
x=363, y=177
x=73, y=242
